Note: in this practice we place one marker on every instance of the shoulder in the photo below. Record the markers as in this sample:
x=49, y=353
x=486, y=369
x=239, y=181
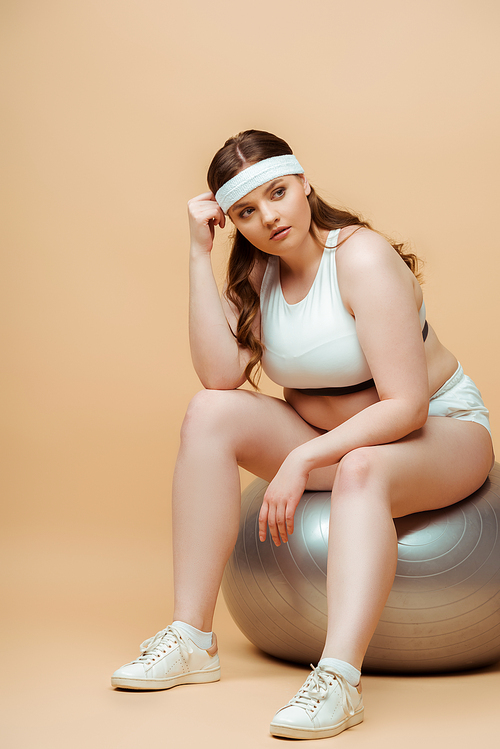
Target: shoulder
x=365, y=258
x=360, y=247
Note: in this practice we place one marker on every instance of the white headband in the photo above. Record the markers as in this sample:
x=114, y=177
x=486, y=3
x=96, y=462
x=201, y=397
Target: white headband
x=255, y=176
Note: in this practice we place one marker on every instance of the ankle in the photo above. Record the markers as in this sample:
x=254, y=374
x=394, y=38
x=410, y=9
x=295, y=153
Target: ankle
x=201, y=639
x=350, y=673
x=200, y=622
x=334, y=649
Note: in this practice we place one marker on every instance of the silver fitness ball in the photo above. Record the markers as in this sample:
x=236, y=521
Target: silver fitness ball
x=443, y=612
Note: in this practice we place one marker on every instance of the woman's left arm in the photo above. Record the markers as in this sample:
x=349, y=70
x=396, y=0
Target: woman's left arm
x=377, y=286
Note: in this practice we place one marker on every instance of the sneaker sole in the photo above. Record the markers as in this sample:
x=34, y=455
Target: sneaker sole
x=290, y=732
x=195, y=677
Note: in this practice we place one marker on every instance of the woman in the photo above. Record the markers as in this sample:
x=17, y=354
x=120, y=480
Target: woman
x=375, y=410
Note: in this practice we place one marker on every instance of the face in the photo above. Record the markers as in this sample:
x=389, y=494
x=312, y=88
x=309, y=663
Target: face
x=275, y=217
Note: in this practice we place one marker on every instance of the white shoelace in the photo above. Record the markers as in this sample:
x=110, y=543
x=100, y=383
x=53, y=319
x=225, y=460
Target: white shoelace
x=315, y=689
x=162, y=642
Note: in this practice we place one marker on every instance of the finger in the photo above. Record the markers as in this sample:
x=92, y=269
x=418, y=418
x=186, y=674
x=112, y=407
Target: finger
x=289, y=524
x=220, y=218
x=263, y=522
x=199, y=205
x=203, y=196
x=273, y=528
x=281, y=523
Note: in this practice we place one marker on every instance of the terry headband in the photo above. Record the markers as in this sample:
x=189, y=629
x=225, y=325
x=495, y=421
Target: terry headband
x=255, y=176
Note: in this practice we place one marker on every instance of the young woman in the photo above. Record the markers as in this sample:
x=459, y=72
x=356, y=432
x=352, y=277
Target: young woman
x=375, y=410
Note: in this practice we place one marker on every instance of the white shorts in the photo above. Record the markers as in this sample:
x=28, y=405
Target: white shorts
x=460, y=399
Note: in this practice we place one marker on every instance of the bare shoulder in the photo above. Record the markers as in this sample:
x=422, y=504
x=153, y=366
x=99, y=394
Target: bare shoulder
x=361, y=248
x=365, y=257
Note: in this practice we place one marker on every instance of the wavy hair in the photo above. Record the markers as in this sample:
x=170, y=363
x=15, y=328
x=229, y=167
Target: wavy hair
x=237, y=153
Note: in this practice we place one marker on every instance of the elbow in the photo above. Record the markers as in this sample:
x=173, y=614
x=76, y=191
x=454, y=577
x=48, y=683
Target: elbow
x=220, y=386
x=214, y=377
x=217, y=382
x=418, y=415
x=409, y=415
x=409, y=411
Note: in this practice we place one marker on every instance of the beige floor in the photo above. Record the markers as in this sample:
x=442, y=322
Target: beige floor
x=74, y=609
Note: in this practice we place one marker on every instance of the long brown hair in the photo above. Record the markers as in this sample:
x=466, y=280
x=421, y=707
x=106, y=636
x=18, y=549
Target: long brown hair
x=238, y=152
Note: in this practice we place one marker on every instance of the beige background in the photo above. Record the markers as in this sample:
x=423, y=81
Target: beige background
x=111, y=112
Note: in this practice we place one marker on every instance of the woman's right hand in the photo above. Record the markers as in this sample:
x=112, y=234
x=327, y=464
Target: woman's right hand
x=204, y=215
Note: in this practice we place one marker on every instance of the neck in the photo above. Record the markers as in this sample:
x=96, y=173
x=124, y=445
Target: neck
x=305, y=259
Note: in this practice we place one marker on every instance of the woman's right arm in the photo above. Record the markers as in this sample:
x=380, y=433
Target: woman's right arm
x=217, y=358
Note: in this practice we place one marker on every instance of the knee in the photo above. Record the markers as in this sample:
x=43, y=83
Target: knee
x=208, y=409
x=358, y=470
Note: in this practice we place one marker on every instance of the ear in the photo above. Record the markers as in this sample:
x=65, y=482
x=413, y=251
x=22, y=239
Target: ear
x=307, y=186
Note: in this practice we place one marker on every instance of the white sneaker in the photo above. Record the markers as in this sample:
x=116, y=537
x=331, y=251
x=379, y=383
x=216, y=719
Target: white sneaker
x=168, y=659
x=325, y=705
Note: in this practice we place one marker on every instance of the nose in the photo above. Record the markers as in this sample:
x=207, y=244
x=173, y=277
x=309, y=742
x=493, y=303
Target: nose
x=269, y=214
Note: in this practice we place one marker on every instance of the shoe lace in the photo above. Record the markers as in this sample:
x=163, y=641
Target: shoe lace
x=162, y=642
x=315, y=689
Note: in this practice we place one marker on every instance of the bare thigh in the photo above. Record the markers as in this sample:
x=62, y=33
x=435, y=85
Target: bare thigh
x=259, y=429
x=436, y=466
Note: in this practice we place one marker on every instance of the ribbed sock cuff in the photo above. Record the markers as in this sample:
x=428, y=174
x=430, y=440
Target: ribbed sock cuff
x=350, y=674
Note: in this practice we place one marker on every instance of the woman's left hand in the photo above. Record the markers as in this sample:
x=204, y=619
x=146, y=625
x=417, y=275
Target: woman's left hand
x=281, y=499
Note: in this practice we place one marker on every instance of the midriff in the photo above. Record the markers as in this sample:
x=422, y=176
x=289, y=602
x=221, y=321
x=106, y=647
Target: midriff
x=327, y=412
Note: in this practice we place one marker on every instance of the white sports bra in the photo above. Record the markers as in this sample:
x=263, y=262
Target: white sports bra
x=313, y=343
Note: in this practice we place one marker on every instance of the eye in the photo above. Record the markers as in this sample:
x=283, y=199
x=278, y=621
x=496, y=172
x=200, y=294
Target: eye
x=246, y=212
x=279, y=193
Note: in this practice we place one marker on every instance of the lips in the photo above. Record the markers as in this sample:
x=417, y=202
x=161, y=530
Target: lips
x=281, y=231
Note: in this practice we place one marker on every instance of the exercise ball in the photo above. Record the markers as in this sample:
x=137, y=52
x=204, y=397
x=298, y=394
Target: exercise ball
x=443, y=612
